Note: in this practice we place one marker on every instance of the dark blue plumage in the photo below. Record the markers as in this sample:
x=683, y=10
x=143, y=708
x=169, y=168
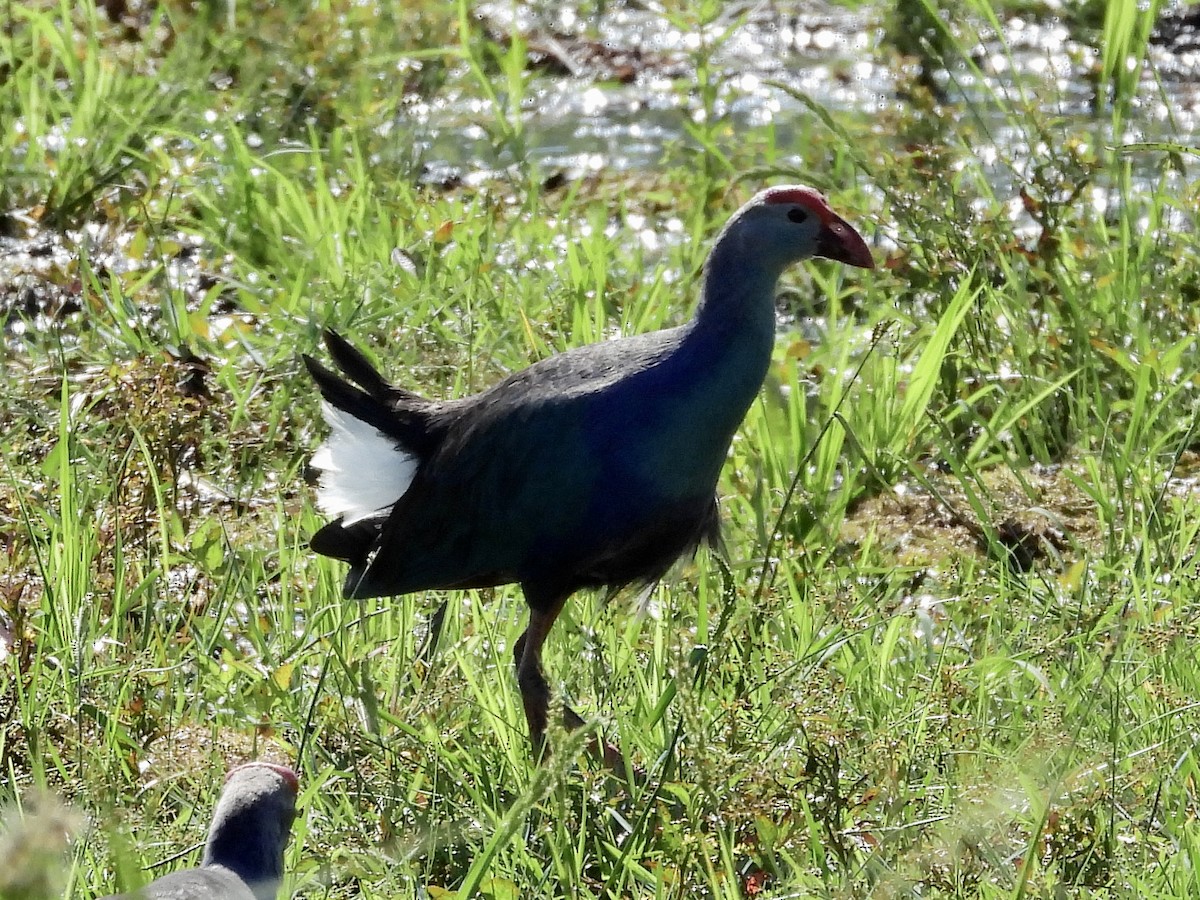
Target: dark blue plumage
x=595, y=467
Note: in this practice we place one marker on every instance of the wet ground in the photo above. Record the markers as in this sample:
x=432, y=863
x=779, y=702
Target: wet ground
x=615, y=101
x=618, y=91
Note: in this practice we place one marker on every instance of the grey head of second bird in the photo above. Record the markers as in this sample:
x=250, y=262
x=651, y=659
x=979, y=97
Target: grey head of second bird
x=243, y=856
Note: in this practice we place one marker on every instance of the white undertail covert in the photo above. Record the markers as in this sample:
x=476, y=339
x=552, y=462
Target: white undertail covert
x=363, y=471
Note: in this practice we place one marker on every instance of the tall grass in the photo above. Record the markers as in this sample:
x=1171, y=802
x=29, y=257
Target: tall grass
x=949, y=650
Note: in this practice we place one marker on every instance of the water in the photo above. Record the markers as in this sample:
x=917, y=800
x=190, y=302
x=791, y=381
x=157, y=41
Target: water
x=623, y=102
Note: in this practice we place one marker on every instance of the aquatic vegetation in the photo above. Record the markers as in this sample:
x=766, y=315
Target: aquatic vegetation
x=950, y=647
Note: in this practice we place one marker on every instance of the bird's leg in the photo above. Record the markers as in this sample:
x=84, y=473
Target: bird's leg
x=535, y=690
x=433, y=634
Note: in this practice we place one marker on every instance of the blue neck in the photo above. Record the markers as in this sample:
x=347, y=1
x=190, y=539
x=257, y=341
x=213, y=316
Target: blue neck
x=712, y=378
x=733, y=331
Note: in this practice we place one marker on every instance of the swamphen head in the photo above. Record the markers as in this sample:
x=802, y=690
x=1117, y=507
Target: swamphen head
x=593, y=468
x=243, y=857
x=252, y=824
x=784, y=225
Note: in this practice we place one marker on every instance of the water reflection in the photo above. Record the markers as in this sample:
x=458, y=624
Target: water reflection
x=599, y=115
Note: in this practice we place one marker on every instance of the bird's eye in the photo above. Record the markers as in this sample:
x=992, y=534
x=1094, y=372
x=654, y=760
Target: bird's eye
x=797, y=215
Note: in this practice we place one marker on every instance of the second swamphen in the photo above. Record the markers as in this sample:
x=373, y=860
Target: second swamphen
x=596, y=467
x=243, y=856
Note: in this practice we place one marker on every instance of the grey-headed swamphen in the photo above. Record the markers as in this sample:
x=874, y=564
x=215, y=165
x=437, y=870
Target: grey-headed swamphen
x=243, y=858
x=596, y=467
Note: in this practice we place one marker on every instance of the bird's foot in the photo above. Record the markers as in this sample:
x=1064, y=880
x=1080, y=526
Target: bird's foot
x=608, y=753
x=631, y=773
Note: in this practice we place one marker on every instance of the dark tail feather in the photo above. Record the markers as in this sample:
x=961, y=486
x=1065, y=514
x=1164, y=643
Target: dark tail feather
x=358, y=368
x=350, y=543
x=383, y=410
x=347, y=397
x=355, y=366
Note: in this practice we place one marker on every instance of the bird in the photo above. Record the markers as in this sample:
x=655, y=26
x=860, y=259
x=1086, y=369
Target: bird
x=243, y=857
x=596, y=467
